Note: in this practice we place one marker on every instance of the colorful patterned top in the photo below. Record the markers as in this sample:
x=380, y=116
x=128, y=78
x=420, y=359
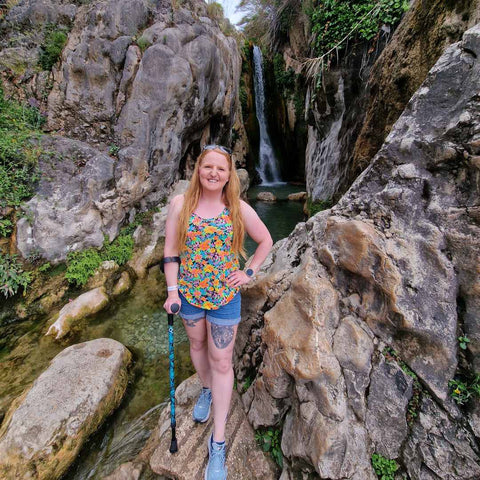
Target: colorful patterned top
x=207, y=261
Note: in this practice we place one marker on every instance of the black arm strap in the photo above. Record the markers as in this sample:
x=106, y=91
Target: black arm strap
x=168, y=260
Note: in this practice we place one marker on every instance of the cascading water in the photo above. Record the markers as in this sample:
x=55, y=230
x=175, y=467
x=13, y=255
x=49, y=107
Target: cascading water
x=268, y=168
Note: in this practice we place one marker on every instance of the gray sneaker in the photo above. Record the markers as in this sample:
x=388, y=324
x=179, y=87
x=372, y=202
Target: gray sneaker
x=201, y=410
x=216, y=469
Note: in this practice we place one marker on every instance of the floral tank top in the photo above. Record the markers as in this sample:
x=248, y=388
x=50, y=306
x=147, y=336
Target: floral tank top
x=207, y=261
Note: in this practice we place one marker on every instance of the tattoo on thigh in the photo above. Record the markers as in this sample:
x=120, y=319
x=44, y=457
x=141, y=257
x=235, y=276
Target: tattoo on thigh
x=222, y=335
x=191, y=323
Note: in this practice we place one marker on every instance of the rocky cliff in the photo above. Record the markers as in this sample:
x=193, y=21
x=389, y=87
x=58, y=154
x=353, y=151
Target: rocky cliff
x=355, y=110
x=351, y=333
x=145, y=80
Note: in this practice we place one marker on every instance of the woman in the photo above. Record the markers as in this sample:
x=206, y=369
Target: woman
x=206, y=227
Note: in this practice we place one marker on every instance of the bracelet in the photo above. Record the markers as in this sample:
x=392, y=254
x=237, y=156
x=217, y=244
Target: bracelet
x=172, y=288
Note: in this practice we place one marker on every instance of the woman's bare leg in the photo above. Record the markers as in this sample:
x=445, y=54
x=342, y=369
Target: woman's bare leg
x=197, y=334
x=221, y=340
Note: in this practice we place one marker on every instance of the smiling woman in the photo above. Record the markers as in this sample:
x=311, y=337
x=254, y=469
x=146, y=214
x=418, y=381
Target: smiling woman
x=205, y=228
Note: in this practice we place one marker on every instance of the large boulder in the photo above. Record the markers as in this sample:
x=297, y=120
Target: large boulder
x=374, y=291
x=45, y=428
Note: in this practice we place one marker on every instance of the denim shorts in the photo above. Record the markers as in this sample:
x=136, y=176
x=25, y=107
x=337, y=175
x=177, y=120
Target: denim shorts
x=226, y=315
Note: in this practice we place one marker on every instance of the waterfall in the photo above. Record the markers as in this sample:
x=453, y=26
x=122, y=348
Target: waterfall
x=268, y=168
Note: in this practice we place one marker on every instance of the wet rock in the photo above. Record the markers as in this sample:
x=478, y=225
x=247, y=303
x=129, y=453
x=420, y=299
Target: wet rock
x=123, y=285
x=244, y=457
x=266, y=197
x=101, y=276
x=45, y=428
x=83, y=306
x=298, y=197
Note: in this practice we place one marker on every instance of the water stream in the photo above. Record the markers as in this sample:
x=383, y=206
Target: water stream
x=268, y=167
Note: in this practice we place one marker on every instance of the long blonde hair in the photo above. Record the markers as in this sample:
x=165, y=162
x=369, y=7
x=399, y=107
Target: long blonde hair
x=231, y=197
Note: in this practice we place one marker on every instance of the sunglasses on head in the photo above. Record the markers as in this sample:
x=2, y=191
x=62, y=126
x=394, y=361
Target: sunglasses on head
x=217, y=147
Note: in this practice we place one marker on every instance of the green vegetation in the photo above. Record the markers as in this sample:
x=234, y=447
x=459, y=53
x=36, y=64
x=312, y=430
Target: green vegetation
x=317, y=206
x=50, y=51
x=45, y=267
x=12, y=276
x=82, y=265
x=143, y=44
x=6, y=227
x=284, y=79
x=19, y=125
x=333, y=21
x=269, y=439
x=463, y=341
x=113, y=150
x=215, y=10
x=464, y=388
x=384, y=468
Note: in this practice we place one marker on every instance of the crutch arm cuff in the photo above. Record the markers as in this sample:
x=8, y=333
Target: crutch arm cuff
x=168, y=260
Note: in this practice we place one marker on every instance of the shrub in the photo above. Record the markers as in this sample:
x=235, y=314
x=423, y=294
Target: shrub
x=82, y=265
x=334, y=20
x=120, y=250
x=384, y=468
x=18, y=154
x=215, y=11
x=6, y=227
x=12, y=276
x=50, y=51
x=464, y=388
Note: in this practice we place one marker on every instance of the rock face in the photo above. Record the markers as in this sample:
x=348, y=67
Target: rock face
x=151, y=82
x=72, y=209
x=245, y=460
x=45, y=428
x=394, y=264
x=351, y=118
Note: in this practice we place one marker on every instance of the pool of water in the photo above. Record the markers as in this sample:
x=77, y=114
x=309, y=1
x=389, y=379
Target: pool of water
x=279, y=217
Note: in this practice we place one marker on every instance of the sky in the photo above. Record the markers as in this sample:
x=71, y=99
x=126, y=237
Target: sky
x=229, y=10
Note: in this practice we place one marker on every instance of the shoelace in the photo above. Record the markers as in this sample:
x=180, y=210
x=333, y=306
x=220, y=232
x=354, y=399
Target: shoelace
x=205, y=395
x=217, y=456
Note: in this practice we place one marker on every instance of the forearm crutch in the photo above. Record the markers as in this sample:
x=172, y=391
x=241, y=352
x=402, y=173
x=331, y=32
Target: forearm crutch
x=171, y=357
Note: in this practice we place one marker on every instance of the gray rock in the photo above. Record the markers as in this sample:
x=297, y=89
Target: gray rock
x=68, y=213
x=440, y=448
x=46, y=427
x=266, y=197
x=83, y=306
x=389, y=393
